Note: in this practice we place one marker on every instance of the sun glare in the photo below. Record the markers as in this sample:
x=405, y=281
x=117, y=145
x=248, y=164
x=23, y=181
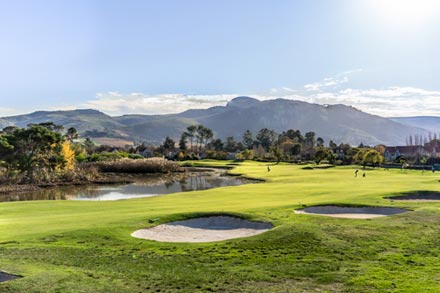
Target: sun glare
x=406, y=12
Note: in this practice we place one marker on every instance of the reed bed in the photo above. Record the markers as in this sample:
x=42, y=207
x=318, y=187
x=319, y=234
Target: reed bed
x=152, y=165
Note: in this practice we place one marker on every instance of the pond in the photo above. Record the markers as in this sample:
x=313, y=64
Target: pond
x=141, y=186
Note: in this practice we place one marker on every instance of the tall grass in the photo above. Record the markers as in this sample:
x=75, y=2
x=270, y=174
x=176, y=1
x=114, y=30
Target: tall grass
x=152, y=165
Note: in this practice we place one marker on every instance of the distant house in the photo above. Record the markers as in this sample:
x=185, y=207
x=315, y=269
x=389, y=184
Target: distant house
x=393, y=152
x=432, y=148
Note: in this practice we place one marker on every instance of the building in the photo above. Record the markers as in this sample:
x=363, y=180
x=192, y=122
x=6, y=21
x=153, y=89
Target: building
x=413, y=151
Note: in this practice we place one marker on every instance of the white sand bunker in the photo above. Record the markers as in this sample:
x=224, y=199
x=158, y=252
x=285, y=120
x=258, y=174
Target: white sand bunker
x=351, y=212
x=206, y=229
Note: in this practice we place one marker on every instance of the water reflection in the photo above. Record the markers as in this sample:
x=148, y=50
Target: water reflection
x=143, y=186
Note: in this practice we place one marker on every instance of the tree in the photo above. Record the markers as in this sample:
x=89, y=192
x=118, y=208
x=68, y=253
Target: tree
x=248, y=139
x=217, y=144
x=32, y=148
x=247, y=154
x=320, y=142
x=89, y=145
x=206, y=135
x=169, y=144
x=8, y=130
x=294, y=135
x=230, y=145
x=372, y=157
x=309, y=139
x=190, y=133
x=322, y=154
x=71, y=133
x=380, y=148
x=6, y=153
x=200, y=134
x=332, y=145
x=266, y=138
x=277, y=153
x=69, y=155
x=182, y=142
x=49, y=125
x=296, y=149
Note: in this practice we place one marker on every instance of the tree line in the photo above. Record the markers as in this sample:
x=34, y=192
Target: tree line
x=41, y=152
x=198, y=141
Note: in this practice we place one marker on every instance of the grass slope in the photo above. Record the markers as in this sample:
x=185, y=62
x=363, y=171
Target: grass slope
x=75, y=246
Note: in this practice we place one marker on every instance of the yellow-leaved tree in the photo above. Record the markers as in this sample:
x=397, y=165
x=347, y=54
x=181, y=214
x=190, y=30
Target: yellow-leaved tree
x=69, y=155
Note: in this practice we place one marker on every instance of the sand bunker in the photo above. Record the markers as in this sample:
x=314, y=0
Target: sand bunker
x=418, y=196
x=206, y=229
x=351, y=212
x=7, y=277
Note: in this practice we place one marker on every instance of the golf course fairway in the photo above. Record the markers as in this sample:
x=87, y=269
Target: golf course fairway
x=86, y=246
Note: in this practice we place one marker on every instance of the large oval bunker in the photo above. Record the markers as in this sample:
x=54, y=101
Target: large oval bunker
x=204, y=229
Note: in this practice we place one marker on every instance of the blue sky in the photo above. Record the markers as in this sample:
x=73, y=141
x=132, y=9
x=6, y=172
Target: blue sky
x=165, y=56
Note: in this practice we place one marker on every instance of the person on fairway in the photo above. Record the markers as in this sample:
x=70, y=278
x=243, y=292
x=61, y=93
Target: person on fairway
x=356, y=173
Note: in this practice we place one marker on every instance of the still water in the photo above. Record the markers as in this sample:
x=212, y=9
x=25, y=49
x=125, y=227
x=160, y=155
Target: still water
x=142, y=186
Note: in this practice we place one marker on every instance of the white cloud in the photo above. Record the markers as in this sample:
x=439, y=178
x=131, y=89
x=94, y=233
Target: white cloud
x=331, y=82
x=390, y=101
x=118, y=103
x=7, y=111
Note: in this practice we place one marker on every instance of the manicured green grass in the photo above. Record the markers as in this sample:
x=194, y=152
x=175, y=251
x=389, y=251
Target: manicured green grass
x=76, y=246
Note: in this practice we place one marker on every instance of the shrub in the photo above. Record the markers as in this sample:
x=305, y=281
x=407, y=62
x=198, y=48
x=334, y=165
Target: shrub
x=105, y=156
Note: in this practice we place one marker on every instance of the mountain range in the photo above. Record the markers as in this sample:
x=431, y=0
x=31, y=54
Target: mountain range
x=339, y=123
x=430, y=123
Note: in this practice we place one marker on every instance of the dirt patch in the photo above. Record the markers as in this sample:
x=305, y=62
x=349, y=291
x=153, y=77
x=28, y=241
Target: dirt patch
x=7, y=277
x=206, y=229
x=418, y=196
x=351, y=212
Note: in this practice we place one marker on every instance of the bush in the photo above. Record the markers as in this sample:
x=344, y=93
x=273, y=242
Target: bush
x=135, y=156
x=105, y=156
x=216, y=155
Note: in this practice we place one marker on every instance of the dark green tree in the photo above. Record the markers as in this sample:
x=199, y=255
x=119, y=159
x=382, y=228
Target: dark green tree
x=191, y=133
x=71, y=133
x=169, y=144
x=309, y=139
x=323, y=154
x=230, y=145
x=30, y=149
x=248, y=139
x=50, y=125
x=217, y=144
x=182, y=142
x=332, y=145
x=266, y=138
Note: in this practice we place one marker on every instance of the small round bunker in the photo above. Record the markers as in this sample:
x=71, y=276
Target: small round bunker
x=204, y=229
x=351, y=212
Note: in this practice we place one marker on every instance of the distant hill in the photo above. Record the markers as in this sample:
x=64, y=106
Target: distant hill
x=430, y=123
x=4, y=123
x=83, y=120
x=338, y=122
